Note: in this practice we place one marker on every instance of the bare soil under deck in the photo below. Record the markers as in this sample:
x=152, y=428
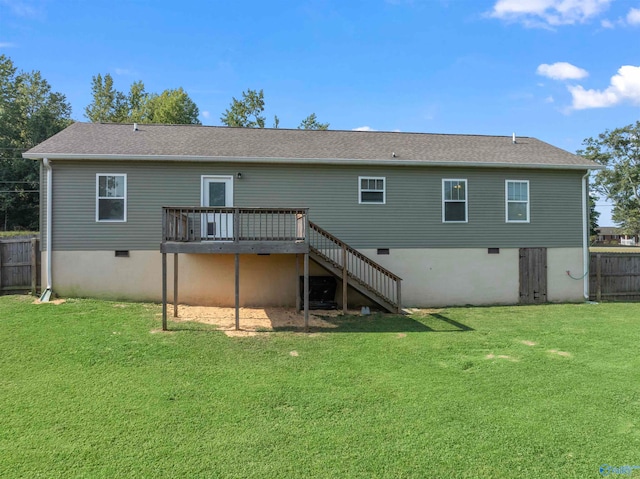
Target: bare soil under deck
x=253, y=320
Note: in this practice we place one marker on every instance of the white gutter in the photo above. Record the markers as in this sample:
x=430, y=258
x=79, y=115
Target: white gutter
x=585, y=234
x=46, y=294
x=304, y=161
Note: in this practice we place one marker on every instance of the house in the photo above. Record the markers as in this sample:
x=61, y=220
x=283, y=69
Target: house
x=453, y=219
x=608, y=235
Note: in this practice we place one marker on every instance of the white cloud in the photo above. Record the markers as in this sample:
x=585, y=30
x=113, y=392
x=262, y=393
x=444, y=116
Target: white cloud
x=624, y=88
x=549, y=99
x=561, y=71
x=363, y=128
x=546, y=13
x=205, y=114
x=21, y=8
x=606, y=24
x=7, y=45
x=123, y=71
x=633, y=17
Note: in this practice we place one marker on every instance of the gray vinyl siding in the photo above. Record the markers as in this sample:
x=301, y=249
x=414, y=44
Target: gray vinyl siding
x=411, y=217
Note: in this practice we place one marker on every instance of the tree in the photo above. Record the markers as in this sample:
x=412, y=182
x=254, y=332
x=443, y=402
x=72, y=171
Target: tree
x=170, y=107
x=619, y=152
x=246, y=113
x=311, y=123
x=593, y=216
x=136, y=102
x=29, y=114
x=110, y=105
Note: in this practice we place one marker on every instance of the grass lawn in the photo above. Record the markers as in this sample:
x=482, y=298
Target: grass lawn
x=89, y=389
x=614, y=249
x=14, y=234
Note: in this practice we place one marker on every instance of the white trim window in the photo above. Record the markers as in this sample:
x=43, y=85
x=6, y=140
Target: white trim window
x=372, y=189
x=111, y=197
x=517, y=201
x=454, y=201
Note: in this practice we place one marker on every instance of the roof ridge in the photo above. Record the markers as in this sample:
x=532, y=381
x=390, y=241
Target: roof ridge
x=303, y=130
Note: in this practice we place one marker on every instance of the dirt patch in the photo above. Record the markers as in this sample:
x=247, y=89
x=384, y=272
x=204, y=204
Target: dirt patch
x=423, y=311
x=293, y=353
x=564, y=354
x=501, y=356
x=53, y=301
x=402, y=335
x=528, y=343
x=252, y=320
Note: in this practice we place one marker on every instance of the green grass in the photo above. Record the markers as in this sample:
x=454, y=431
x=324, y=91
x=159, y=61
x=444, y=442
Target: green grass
x=90, y=389
x=614, y=249
x=12, y=234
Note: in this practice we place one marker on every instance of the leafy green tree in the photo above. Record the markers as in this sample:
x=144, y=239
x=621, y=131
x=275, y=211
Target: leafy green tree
x=29, y=114
x=110, y=105
x=246, y=113
x=593, y=216
x=171, y=107
x=619, y=152
x=312, y=123
x=136, y=102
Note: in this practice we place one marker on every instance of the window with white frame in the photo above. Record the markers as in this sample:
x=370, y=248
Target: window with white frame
x=371, y=189
x=517, y=201
x=111, y=197
x=454, y=201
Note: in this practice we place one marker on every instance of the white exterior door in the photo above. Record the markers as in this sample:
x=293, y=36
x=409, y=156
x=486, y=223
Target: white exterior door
x=217, y=191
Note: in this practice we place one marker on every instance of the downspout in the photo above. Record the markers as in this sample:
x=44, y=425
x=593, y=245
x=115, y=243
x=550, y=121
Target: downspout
x=46, y=294
x=585, y=235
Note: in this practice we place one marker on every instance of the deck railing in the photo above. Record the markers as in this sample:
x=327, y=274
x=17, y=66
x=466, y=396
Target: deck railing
x=358, y=266
x=234, y=224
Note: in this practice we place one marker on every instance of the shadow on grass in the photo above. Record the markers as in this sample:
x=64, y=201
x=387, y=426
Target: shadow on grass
x=384, y=323
x=330, y=323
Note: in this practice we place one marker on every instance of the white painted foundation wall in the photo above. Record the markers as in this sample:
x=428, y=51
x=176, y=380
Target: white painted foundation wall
x=431, y=277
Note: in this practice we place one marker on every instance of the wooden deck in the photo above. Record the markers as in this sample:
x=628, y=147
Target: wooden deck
x=214, y=230
x=237, y=231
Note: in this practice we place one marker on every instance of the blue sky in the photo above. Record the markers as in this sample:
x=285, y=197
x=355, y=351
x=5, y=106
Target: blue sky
x=558, y=70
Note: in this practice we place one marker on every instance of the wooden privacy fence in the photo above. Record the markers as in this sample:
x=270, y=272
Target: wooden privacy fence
x=19, y=265
x=614, y=277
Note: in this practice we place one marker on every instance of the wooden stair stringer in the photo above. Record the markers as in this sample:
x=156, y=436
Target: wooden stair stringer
x=351, y=281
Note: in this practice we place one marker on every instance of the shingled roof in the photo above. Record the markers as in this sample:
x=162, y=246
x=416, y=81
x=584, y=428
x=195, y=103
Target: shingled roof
x=93, y=141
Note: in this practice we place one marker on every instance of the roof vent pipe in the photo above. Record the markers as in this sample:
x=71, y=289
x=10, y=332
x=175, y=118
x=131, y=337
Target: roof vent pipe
x=135, y=127
x=513, y=138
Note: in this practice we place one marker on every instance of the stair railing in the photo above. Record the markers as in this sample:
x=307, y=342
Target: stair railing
x=359, y=267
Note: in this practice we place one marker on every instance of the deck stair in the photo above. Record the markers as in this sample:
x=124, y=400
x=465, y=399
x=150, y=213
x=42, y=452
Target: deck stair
x=355, y=269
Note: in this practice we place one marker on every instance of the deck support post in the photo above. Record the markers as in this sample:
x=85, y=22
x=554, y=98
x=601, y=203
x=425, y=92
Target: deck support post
x=306, y=292
x=237, y=265
x=164, y=291
x=344, y=279
x=175, y=285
